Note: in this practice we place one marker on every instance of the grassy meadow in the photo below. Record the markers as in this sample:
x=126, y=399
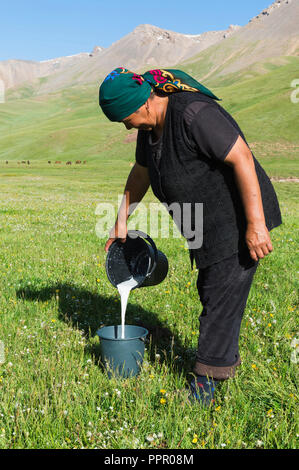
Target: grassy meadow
x=54, y=392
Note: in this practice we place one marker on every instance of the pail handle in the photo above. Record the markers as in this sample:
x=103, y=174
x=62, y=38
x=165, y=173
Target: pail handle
x=144, y=235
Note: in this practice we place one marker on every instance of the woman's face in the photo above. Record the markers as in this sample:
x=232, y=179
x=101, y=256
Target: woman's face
x=141, y=119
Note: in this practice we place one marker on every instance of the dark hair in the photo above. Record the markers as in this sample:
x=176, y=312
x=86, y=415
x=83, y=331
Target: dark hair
x=156, y=92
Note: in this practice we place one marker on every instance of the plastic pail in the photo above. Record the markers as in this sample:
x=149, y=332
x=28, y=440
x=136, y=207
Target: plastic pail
x=137, y=257
x=122, y=357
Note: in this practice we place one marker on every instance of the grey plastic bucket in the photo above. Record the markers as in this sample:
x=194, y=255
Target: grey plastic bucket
x=122, y=357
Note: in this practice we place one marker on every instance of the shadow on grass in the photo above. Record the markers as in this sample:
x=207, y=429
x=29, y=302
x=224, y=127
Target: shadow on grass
x=88, y=311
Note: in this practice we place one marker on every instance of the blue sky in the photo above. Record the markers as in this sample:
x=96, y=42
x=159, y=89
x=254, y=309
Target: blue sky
x=44, y=29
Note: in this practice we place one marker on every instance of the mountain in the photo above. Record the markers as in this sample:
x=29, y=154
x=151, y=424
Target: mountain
x=211, y=56
x=269, y=37
x=14, y=72
x=251, y=71
x=146, y=45
x=152, y=46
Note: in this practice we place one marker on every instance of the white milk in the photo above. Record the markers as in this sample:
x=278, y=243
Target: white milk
x=124, y=289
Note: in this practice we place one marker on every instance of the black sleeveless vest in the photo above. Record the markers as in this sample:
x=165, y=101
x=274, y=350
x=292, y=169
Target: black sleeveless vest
x=180, y=174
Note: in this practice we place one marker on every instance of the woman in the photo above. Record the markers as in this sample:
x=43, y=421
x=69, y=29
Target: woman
x=190, y=150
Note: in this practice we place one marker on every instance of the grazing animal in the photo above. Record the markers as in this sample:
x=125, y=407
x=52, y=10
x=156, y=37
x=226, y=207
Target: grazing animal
x=84, y=162
x=78, y=161
x=68, y=163
x=28, y=162
x=58, y=162
x=6, y=162
x=49, y=161
x=23, y=161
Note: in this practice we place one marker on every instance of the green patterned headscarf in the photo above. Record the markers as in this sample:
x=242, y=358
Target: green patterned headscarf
x=123, y=92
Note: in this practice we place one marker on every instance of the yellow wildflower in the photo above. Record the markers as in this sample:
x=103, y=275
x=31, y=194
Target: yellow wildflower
x=162, y=391
x=162, y=401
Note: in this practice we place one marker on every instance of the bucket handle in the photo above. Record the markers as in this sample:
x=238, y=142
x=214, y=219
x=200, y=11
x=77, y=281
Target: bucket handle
x=144, y=235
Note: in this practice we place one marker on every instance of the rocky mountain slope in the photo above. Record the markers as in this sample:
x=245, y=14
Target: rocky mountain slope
x=146, y=45
x=272, y=33
x=14, y=72
x=269, y=36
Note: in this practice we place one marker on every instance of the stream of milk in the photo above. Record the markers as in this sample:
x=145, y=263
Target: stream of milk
x=124, y=289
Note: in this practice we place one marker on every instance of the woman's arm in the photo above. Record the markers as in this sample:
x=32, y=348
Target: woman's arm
x=137, y=185
x=257, y=235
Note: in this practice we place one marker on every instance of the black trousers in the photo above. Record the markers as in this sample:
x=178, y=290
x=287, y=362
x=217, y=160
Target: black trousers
x=223, y=290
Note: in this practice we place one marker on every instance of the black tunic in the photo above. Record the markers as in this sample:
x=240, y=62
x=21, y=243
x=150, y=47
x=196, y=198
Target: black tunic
x=187, y=165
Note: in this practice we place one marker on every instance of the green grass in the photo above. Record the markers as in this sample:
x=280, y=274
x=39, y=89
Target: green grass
x=55, y=293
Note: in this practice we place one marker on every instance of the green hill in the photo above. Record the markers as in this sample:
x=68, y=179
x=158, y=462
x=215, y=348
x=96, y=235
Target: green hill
x=69, y=125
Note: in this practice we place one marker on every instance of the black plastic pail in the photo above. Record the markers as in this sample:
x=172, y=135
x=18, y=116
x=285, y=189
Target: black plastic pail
x=137, y=257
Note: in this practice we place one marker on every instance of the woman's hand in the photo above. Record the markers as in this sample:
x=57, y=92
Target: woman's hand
x=258, y=240
x=119, y=231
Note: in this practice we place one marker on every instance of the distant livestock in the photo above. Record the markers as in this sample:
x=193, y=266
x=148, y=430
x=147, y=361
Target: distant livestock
x=6, y=162
x=58, y=162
